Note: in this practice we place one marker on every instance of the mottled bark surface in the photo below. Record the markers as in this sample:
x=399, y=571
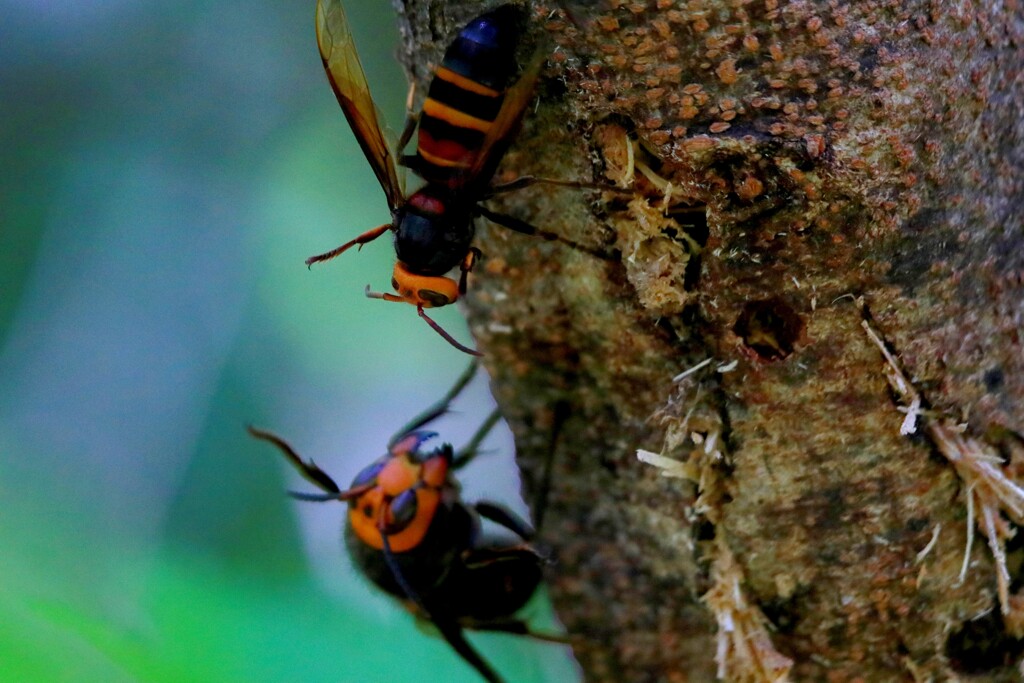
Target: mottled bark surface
x=855, y=160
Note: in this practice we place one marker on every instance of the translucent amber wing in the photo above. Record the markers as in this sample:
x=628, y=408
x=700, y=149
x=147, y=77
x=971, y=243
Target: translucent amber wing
x=347, y=78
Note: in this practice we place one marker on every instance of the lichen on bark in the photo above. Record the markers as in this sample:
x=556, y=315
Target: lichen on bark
x=847, y=157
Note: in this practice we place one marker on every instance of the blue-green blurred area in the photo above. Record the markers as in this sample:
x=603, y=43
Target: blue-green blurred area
x=165, y=170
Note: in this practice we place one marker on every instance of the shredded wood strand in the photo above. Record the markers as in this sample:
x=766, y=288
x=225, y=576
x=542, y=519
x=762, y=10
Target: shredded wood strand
x=744, y=649
x=992, y=496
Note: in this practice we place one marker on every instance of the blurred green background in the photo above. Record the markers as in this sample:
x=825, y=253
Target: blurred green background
x=165, y=170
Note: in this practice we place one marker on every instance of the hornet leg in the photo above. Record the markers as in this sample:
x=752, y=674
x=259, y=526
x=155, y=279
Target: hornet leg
x=367, y=236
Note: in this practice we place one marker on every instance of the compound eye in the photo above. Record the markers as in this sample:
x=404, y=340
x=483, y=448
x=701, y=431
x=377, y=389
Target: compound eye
x=435, y=299
x=403, y=511
x=368, y=475
x=394, y=284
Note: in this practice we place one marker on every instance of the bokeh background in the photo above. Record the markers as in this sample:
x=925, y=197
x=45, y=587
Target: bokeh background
x=165, y=168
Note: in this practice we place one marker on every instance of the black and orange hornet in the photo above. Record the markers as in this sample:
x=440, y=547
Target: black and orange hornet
x=473, y=107
x=411, y=534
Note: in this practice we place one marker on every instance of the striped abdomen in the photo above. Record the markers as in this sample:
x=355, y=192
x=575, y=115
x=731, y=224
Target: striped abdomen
x=464, y=98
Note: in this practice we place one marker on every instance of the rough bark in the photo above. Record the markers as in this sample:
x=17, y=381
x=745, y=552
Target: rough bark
x=858, y=167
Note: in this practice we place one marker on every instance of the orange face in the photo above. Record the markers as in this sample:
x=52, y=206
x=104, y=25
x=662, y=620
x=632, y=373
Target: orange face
x=428, y=291
x=403, y=501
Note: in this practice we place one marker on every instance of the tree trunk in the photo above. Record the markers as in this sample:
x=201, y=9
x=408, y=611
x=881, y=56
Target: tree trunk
x=824, y=205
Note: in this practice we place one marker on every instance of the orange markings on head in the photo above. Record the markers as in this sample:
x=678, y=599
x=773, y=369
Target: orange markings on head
x=365, y=516
x=428, y=291
x=435, y=471
x=362, y=515
x=411, y=536
x=400, y=473
x=372, y=509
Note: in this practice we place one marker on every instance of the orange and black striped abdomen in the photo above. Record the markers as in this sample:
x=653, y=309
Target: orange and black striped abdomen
x=465, y=97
